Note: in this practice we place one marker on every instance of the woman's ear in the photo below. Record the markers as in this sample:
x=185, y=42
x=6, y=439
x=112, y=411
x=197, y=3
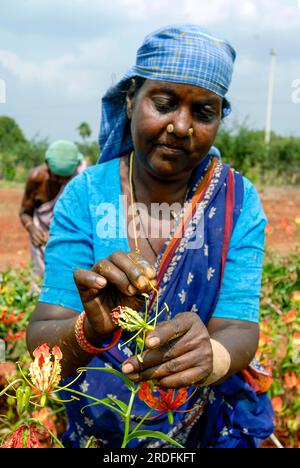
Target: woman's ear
x=129, y=107
x=130, y=98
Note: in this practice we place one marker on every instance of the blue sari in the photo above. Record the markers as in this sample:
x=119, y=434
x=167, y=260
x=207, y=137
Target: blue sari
x=190, y=271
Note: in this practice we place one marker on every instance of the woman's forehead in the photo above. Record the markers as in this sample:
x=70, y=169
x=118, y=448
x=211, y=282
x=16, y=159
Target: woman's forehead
x=180, y=89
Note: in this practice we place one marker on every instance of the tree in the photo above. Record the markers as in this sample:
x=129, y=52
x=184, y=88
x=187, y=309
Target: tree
x=84, y=131
x=10, y=134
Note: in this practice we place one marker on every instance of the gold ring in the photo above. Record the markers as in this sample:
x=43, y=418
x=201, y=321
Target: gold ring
x=191, y=132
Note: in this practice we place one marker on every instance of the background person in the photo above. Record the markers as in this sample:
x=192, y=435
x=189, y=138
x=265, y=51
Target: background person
x=44, y=185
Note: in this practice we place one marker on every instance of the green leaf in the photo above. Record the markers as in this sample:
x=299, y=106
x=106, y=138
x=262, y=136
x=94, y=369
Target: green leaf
x=107, y=403
x=119, y=403
x=153, y=435
x=129, y=384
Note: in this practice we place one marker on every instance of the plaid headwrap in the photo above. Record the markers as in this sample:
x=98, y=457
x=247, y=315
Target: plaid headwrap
x=186, y=54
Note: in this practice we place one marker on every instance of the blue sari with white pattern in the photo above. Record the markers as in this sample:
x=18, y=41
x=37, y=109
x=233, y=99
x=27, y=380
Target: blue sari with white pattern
x=228, y=416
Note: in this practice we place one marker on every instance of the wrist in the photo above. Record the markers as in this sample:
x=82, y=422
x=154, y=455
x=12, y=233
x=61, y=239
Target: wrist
x=28, y=225
x=221, y=363
x=96, y=339
x=86, y=345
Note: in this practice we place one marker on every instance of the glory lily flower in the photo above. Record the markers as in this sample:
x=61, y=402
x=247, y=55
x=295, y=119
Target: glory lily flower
x=45, y=370
x=6, y=319
x=292, y=381
x=23, y=437
x=296, y=340
x=168, y=402
x=14, y=336
x=290, y=317
x=130, y=320
x=278, y=405
x=296, y=298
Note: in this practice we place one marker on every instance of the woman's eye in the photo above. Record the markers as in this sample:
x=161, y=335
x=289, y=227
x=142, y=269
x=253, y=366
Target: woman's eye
x=163, y=105
x=205, y=115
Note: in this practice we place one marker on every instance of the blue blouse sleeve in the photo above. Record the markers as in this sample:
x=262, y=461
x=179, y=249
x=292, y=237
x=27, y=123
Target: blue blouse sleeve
x=240, y=292
x=70, y=247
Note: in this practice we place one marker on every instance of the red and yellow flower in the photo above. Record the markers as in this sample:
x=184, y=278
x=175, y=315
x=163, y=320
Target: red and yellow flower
x=292, y=381
x=130, y=320
x=278, y=405
x=45, y=370
x=24, y=437
x=290, y=317
x=167, y=402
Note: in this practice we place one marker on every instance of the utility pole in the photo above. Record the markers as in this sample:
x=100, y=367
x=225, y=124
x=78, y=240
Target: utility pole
x=270, y=96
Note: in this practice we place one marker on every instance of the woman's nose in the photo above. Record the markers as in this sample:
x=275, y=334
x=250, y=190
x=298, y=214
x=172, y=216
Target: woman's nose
x=183, y=123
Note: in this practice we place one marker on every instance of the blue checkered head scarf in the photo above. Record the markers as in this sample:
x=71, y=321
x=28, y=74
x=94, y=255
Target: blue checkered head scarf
x=185, y=54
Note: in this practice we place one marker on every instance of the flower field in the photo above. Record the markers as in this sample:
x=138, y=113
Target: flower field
x=279, y=350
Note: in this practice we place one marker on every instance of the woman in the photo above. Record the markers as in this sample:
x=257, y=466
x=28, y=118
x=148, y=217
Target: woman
x=43, y=187
x=158, y=128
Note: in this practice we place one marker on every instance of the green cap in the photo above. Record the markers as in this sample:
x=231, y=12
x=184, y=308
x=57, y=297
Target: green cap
x=63, y=158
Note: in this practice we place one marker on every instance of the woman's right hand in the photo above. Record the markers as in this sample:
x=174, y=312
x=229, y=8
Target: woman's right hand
x=119, y=280
x=38, y=236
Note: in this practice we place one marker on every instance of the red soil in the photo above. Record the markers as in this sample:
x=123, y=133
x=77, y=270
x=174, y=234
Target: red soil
x=282, y=206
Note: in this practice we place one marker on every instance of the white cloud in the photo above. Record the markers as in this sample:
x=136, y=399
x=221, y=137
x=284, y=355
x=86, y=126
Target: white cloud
x=76, y=75
x=266, y=15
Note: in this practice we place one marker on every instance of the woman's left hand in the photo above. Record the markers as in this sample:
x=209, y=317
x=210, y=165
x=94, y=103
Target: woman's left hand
x=179, y=354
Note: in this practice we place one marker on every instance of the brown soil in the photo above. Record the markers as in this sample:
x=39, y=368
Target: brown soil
x=282, y=206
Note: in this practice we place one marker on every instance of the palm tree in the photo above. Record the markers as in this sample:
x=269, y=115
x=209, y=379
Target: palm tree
x=84, y=131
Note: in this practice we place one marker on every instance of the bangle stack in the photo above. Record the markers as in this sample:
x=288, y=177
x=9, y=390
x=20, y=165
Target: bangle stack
x=83, y=342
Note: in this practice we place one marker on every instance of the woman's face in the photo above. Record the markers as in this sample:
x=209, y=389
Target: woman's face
x=157, y=105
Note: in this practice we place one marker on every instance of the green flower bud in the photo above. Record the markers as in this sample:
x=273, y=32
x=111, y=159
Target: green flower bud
x=23, y=395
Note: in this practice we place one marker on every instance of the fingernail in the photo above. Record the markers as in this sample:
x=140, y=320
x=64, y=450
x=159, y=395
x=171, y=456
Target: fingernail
x=142, y=282
x=134, y=377
x=150, y=272
x=128, y=369
x=132, y=290
x=153, y=342
x=101, y=282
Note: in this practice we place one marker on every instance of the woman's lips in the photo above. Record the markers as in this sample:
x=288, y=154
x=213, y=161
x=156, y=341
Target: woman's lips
x=172, y=150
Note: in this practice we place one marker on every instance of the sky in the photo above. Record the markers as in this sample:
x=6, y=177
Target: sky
x=58, y=57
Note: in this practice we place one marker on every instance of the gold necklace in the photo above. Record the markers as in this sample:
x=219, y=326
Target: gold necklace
x=133, y=201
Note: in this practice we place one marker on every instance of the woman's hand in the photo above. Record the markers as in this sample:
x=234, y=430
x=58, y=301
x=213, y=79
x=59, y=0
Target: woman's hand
x=179, y=354
x=38, y=236
x=119, y=280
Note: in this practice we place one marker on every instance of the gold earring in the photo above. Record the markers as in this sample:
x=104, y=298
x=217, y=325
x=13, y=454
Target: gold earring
x=191, y=132
x=170, y=128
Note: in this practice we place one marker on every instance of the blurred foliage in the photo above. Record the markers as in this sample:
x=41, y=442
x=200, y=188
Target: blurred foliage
x=279, y=348
x=241, y=147
x=17, y=303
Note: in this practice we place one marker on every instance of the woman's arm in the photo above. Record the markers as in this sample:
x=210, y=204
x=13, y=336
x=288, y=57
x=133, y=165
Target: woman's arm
x=239, y=338
x=27, y=208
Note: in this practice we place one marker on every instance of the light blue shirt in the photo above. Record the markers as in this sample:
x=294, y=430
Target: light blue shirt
x=75, y=243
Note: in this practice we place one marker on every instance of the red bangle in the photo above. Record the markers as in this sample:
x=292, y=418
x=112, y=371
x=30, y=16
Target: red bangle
x=83, y=342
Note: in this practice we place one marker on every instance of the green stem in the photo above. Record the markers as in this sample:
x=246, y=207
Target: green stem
x=10, y=386
x=48, y=430
x=128, y=419
x=99, y=402
x=142, y=421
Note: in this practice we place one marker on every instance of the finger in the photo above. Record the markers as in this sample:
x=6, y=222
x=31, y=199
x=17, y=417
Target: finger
x=185, y=379
x=168, y=331
x=115, y=276
x=170, y=368
x=86, y=279
x=163, y=354
x=139, y=273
